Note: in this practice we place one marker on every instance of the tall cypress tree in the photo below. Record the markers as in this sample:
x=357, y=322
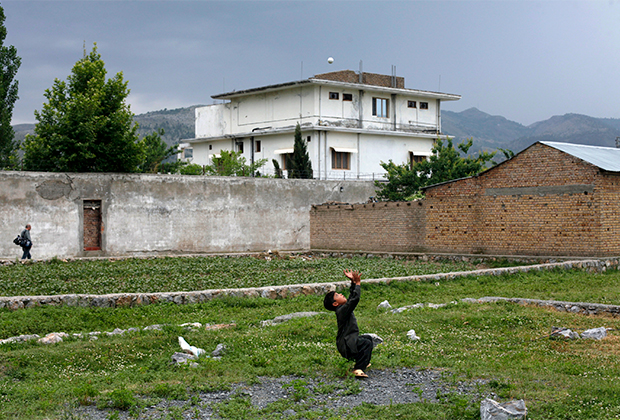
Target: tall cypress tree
x=301, y=167
x=9, y=64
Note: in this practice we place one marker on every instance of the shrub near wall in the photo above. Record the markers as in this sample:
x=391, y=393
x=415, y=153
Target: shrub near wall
x=388, y=227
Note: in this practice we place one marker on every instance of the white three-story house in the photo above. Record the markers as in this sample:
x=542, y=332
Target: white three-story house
x=351, y=122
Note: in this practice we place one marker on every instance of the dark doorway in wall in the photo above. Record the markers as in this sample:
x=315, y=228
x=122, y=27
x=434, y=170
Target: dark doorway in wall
x=92, y=225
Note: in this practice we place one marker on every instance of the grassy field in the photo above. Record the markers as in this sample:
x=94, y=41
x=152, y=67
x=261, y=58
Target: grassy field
x=503, y=343
x=187, y=274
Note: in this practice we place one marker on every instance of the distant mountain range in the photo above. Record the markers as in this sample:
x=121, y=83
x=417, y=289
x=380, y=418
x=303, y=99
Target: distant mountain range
x=489, y=132
x=178, y=124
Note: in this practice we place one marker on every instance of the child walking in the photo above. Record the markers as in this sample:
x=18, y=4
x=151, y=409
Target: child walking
x=350, y=345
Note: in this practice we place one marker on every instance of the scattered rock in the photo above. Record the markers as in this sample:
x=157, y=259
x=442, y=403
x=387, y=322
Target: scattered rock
x=183, y=358
x=220, y=349
x=219, y=326
x=25, y=337
x=561, y=332
x=53, y=338
x=191, y=325
x=154, y=327
x=284, y=318
x=116, y=331
x=492, y=410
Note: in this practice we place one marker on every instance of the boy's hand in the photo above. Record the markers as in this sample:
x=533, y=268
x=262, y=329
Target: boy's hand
x=355, y=276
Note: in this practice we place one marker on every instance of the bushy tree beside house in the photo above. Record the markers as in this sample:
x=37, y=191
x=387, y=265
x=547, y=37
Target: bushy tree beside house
x=154, y=152
x=404, y=182
x=300, y=164
x=86, y=124
x=231, y=163
x=9, y=64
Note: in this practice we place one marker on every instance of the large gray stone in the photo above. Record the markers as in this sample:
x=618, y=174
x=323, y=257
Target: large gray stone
x=492, y=410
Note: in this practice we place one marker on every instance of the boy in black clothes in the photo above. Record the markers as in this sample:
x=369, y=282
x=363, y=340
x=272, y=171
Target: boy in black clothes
x=350, y=345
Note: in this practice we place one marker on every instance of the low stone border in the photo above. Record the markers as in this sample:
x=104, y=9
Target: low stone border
x=275, y=292
x=562, y=306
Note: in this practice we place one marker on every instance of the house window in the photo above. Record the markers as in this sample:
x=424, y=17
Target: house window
x=411, y=104
x=188, y=153
x=347, y=96
x=210, y=147
x=240, y=147
x=308, y=139
x=334, y=95
x=341, y=160
x=423, y=105
x=380, y=107
x=287, y=158
x=257, y=143
x=413, y=159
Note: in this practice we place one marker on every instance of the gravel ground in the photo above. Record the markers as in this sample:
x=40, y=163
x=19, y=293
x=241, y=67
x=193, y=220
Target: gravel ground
x=393, y=386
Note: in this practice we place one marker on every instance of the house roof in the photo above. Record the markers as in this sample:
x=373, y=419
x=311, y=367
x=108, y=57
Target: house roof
x=350, y=79
x=606, y=158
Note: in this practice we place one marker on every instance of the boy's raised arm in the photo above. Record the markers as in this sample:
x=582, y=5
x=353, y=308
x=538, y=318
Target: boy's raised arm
x=355, y=276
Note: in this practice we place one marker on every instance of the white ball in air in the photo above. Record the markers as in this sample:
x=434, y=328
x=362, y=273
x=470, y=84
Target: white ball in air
x=330, y=60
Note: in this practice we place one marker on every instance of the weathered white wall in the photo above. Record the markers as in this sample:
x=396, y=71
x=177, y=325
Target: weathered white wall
x=164, y=213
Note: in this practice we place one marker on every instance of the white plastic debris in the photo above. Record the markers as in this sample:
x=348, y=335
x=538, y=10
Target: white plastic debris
x=595, y=333
x=384, y=305
x=192, y=349
x=412, y=336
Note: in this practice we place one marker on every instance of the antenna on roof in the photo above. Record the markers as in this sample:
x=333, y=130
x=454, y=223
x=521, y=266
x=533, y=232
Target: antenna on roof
x=302, y=70
x=393, y=76
x=361, y=73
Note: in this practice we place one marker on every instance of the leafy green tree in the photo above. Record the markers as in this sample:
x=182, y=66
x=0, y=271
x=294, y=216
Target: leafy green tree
x=154, y=152
x=300, y=165
x=233, y=164
x=9, y=64
x=446, y=164
x=86, y=125
x=192, y=169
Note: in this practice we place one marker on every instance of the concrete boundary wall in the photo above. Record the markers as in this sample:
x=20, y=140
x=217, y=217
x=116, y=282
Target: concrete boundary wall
x=281, y=292
x=79, y=215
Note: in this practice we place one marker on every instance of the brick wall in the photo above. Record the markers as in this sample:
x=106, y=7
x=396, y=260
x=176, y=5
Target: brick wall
x=541, y=202
x=349, y=76
x=397, y=227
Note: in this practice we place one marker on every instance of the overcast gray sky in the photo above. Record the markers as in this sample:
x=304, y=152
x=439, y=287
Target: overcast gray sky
x=524, y=60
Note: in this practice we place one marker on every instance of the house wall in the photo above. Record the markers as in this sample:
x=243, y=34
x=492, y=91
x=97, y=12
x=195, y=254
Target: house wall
x=609, y=205
x=150, y=214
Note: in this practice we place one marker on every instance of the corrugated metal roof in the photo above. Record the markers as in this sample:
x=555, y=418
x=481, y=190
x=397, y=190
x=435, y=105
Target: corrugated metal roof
x=606, y=158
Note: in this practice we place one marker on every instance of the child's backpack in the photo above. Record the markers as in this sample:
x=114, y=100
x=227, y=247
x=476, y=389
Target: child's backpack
x=18, y=241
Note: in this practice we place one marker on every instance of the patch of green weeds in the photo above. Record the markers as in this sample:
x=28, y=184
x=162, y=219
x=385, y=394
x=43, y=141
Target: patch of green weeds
x=120, y=399
x=300, y=390
x=86, y=393
x=170, y=391
x=237, y=407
